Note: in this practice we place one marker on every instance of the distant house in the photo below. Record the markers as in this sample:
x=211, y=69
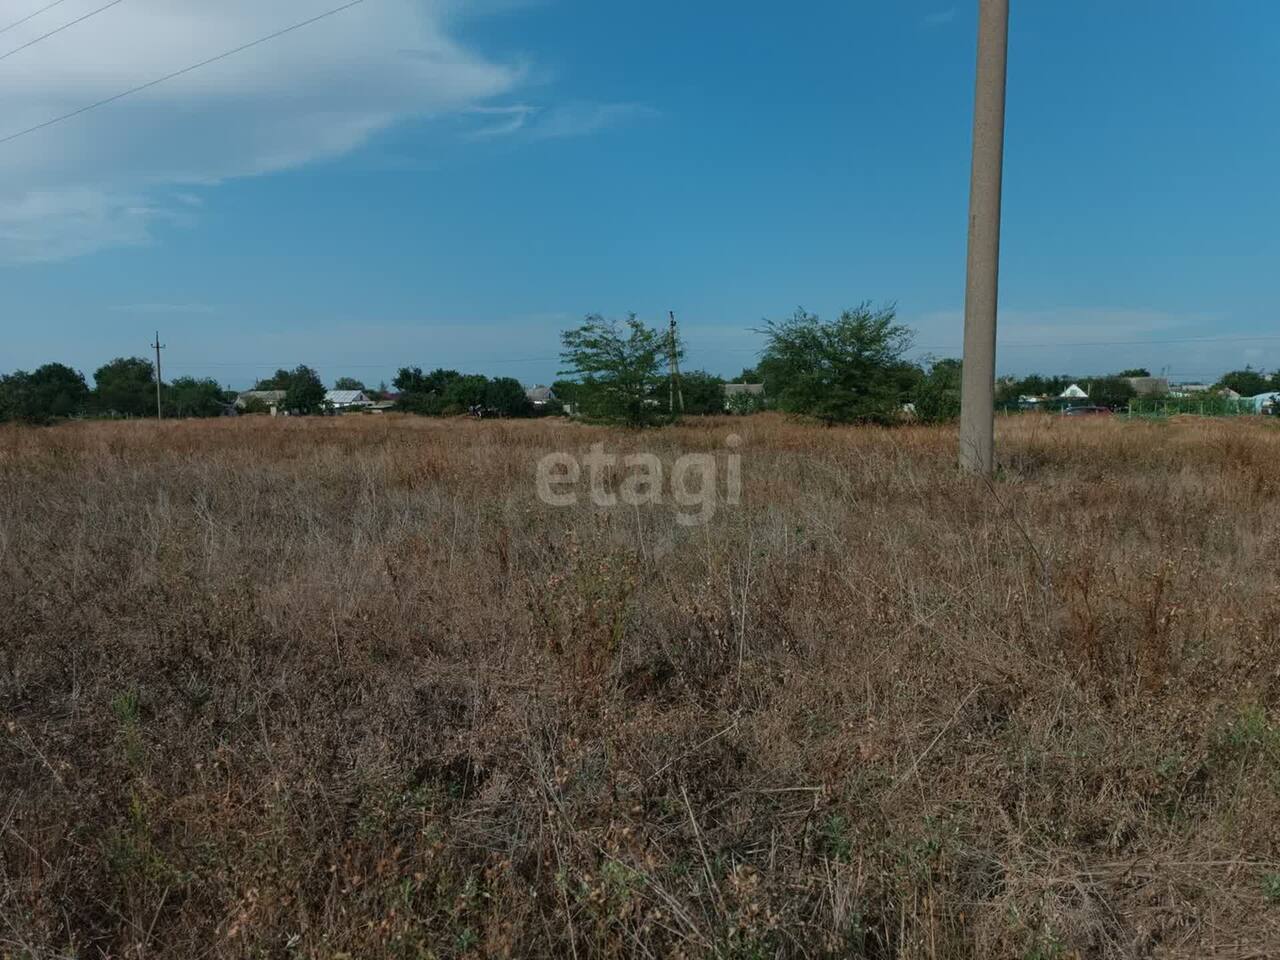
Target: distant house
x=1263, y=402
x=540, y=396
x=1073, y=392
x=270, y=400
x=742, y=397
x=1149, y=386
x=347, y=400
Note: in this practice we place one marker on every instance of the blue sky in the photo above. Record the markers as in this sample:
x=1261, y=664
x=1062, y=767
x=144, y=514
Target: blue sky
x=450, y=184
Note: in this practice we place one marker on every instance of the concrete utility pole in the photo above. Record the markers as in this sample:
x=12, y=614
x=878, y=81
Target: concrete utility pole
x=977, y=397
x=158, y=347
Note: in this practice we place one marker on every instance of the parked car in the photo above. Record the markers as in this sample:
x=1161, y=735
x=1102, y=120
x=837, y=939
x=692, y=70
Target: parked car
x=1086, y=411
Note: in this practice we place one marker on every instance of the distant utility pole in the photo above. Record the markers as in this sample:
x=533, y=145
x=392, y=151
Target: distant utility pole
x=674, y=392
x=977, y=396
x=158, y=347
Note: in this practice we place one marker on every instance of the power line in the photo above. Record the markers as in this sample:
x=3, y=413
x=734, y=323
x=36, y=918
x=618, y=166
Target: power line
x=1143, y=343
x=31, y=16
x=178, y=73
x=715, y=348
x=65, y=26
x=1030, y=344
x=707, y=347
x=364, y=364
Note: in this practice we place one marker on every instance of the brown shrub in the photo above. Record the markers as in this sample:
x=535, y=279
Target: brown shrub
x=345, y=687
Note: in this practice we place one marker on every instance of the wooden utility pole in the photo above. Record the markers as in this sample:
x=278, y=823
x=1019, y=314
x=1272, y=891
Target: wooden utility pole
x=977, y=394
x=674, y=393
x=158, y=347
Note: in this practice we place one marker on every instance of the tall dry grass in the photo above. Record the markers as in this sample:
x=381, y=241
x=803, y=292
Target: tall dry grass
x=345, y=687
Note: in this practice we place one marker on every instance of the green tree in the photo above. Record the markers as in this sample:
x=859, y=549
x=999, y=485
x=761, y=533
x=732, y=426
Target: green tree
x=843, y=371
x=1134, y=372
x=348, y=383
x=566, y=391
x=1247, y=382
x=409, y=380
x=937, y=394
x=424, y=393
x=59, y=391
x=1114, y=392
x=506, y=397
x=194, y=397
x=465, y=392
x=618, y=368
x=413, y=380
x=744, y=404
x=126, y=385
x=15, y=390
x=304, y=391
x=703, y=392
x=1009, y=389
x=253, y=405
x=49, y=392
x=277, y=381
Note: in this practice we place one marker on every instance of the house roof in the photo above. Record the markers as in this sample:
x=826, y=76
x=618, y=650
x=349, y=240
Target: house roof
x=1149, y=386
x=751, y=389
x=1074, y=392
x=540, y=394
x=1261, y=400
x=262, y=396
x=344, y=398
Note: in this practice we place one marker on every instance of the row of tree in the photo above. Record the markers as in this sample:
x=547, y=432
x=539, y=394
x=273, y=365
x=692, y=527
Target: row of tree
x=448, y=393
x=124, y=387
x=1250, y=382
x=1115, y=390
x=850, y=369
x=853, y=368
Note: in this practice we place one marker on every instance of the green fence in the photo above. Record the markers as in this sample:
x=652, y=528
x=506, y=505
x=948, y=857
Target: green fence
x=1210, y=406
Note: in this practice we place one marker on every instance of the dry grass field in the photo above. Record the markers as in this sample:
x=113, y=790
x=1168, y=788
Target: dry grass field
x=346, y=688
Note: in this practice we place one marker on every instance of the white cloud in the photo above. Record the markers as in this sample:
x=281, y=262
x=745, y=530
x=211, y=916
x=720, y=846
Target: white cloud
x=105, y=178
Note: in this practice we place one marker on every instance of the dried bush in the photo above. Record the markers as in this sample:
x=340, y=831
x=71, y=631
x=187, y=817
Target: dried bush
x=345, y=687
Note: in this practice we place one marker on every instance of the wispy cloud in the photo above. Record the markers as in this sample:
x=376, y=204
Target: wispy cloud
x=939, y=18
x=575, y=119
x=501, y=121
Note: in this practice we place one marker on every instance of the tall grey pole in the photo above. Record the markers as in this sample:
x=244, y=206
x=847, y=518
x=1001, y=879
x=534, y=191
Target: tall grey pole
x=977, y=397
x=158, y=347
